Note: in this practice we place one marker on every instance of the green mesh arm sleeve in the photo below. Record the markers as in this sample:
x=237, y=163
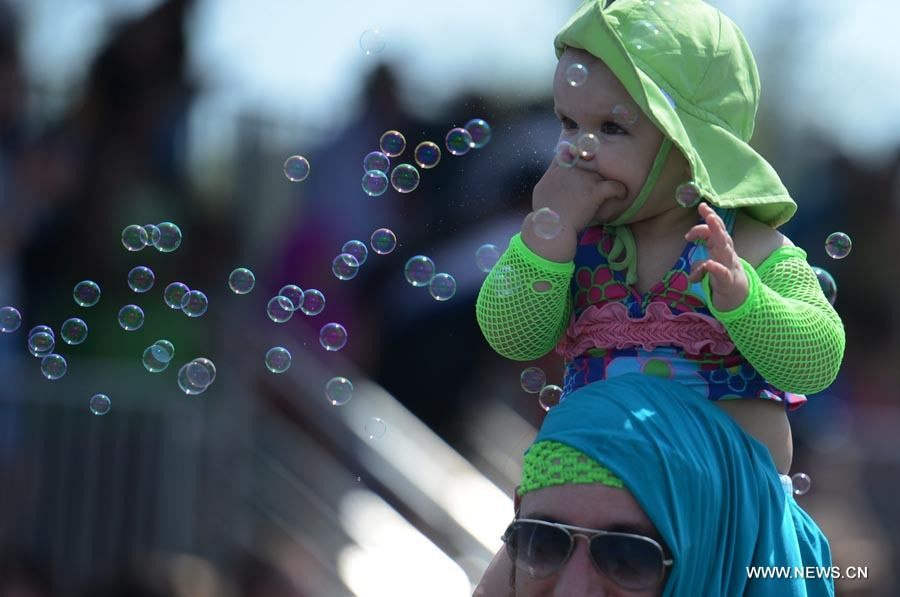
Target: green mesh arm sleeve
x=524, y=304
x=786, y=327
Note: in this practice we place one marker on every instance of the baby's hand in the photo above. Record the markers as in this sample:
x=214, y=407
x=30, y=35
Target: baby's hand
x=728, y=281
x=574, y=193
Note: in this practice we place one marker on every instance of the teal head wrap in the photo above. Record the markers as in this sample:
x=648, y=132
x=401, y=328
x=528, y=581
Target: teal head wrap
x=710, y=489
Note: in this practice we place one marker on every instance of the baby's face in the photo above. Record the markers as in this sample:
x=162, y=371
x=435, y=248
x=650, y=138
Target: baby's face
x=626, y=150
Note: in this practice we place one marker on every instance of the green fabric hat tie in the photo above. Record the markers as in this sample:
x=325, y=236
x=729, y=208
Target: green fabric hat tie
x=623, y=255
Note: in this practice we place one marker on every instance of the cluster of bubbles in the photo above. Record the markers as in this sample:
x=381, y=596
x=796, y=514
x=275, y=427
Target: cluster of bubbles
x=291, y=298
x=41, y=342
x=405, y=178
x=420, y=271
x=353, y=254
x=534, y=381
x=165, y=237
x=196, y=376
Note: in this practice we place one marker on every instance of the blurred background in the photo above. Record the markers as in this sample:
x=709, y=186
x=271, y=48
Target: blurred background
x=119, y=112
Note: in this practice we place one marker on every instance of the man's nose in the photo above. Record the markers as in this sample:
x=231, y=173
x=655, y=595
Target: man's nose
x=578, y=576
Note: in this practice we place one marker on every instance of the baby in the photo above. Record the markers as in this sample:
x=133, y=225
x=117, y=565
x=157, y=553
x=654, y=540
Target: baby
x=654, y=163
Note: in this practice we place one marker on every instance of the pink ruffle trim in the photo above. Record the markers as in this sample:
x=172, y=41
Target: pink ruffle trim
x=610, y=327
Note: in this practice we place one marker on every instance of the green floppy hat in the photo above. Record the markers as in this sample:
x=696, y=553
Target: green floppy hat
x=691, y=71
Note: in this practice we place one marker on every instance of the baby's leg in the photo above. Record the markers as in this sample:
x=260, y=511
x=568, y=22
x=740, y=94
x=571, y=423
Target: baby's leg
x=766, y=421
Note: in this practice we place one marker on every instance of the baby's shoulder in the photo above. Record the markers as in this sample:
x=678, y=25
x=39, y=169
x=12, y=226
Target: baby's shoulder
x=755, y=241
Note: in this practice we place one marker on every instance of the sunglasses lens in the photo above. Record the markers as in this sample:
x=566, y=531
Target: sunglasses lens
x=537, y=549
x=633, y=563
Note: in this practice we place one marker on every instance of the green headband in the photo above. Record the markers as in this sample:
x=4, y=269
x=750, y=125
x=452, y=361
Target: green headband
x=549, y=463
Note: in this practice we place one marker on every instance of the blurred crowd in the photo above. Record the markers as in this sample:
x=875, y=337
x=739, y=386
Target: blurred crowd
x=70, y=182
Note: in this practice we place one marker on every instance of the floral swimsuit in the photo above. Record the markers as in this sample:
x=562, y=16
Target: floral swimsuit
x=668, y=331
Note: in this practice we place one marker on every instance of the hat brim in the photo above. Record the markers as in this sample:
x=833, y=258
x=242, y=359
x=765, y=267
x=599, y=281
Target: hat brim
x=728, y=171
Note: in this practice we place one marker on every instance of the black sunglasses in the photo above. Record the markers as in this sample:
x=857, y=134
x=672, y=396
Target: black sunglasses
x=540, y=548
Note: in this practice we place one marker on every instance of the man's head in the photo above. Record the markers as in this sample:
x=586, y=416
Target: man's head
x=579, y=531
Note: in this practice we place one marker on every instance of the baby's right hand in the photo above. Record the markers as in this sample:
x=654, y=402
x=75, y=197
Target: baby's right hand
x=574, y=193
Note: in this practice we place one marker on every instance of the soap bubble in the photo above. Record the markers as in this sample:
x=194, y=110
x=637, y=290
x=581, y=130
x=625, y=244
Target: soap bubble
x=549, y=396
x=371, y=41
x=458, y=141
x=280, y=309
x=546, y=223
x=141, y=279
x=480, y=132
x=375, y=428
x=54, y=366
x=405, y=178
x=294, y=294
x=383, y=241
x=313, y=302
x=576, y=74
x=194, y=303
x=533, y=379
x=333, y=337
x=153, y=234
x=392, y=143
x=296, y=168
x=169, y=237
x=442, y=287
x=193, y=378
x=419, y=270
x=339, y=391
x=801, y=483
x=151, y=360
x=374, y=183
x=209, y=366
x=86, y=293
x=10, y=319
x=838, y=245
x=99, y=404
x=688, y=194
x=358, y=249
x=376, y=160
x=174, y=294
x=486, y=257
x=131, y=317
x=427, y=154
x=42, y=328
x=278, y=359
x=827, y=283
x=73, y=331
x=134, y=237
x=345, y=266
x=163, y=351
x=625, y=114
x=566, y=155
x=587, y=145
x=41, y=344
x=643, y=35
x=241, y=280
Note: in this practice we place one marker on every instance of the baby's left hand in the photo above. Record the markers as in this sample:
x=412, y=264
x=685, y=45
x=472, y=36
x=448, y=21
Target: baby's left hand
x=728, y=281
